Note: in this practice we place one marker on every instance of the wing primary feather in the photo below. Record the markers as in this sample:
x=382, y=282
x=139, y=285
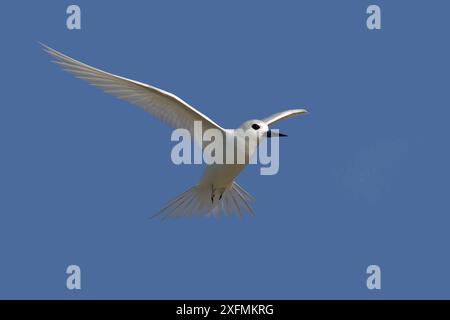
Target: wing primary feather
x=161, y=104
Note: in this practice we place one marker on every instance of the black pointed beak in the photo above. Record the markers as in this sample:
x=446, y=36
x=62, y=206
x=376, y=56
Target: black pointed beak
x=271, y=134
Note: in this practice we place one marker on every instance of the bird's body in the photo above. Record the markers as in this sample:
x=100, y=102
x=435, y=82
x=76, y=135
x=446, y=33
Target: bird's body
x=221, y=176
x=217, y=190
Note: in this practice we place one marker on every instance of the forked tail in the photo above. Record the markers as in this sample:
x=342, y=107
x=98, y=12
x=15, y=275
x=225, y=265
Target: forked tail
x=199, y=200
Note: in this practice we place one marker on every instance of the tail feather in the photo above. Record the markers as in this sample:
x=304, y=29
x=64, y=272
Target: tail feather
x=248, y=195
x=197, y=201
x=243, y=198
x=236, y=206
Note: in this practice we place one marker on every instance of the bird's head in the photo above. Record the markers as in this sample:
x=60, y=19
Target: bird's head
x=259, y=129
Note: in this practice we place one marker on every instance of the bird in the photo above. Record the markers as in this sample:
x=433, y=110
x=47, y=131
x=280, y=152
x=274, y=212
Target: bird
x=217, y=191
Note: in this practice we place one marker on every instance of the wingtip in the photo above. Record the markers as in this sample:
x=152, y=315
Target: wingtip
x=43, y=45
x=46, y=48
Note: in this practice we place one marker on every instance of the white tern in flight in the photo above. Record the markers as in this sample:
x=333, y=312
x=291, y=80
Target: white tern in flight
x=216, y=191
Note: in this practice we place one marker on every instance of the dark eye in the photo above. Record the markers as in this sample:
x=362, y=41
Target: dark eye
x=255, y=126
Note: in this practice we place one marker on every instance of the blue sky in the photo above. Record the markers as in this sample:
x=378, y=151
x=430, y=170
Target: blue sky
x=363, y=179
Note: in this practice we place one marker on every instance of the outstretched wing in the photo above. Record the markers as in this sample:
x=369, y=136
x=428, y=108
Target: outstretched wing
x=159, y=103
x=283, y=115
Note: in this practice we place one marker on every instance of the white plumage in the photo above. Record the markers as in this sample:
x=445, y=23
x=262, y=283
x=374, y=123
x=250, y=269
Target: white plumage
x=217, y=191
